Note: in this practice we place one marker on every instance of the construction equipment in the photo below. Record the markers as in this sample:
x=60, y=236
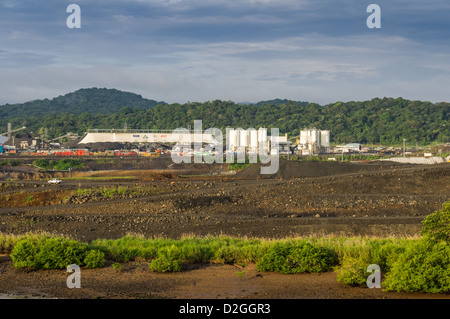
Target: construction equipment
x=12, y=131
x=68, y=135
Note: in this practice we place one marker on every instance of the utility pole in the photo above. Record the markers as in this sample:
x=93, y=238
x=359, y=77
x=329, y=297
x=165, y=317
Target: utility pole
x=404, y=146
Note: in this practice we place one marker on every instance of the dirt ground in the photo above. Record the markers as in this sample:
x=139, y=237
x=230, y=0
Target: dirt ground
x=204, y=281
x=302, y=200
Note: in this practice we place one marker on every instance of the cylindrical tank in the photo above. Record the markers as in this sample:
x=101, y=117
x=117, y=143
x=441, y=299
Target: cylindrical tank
x=262, y=140
x=262, y=134
x=303, y=137
x=325, y=138
x=253, y=141
x=233, y=140
x=243, y=135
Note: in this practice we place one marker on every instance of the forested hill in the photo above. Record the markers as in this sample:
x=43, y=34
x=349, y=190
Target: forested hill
x=380, y=120
x=92, y=100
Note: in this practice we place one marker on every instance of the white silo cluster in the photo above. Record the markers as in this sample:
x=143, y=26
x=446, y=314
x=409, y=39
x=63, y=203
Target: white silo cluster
x=314, y=141
x=247, y=141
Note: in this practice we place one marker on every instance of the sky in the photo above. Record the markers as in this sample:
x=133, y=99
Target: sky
x=177, y=51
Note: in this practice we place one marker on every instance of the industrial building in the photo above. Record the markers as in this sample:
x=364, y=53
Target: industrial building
x=23, y=140
x=144, y=136
x=252, y=141
x=348, y=148
x=246, y=141
x=313, y=141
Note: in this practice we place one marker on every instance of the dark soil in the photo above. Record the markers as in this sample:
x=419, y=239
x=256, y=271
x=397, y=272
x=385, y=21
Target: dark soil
x=367, y=200
x=293, y=169
x=203, y=281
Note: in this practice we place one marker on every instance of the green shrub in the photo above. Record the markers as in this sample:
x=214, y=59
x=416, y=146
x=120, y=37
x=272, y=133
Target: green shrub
x=62, y=165
x=168, y=260
x=224, y=255
x=51, y=253
x=24, y=253
x=383, y=253
x=94, y=259
x=437, y=225
x=123, y=254
x=117, y=266
x=423, y=267
x=67, y=163
x=43, y=163
x=297, y=257
x=352, y=271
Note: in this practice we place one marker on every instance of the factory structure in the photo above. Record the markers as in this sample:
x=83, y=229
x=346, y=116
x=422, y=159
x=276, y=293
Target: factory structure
x=313, y=141
x=252, y=141
x=247, y=141
x=121, y=142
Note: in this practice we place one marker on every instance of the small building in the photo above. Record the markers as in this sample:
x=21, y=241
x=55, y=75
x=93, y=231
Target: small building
x=3, y=140
x=348, y=148
x=22, y=140
x=313, y=141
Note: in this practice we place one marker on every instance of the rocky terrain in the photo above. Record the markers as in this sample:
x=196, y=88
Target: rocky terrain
x=364, y=199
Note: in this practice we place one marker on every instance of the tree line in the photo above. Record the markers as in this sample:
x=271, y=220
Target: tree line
x=380, y=120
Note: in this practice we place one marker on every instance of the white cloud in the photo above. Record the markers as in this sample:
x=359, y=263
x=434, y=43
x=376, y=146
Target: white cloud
x=176, y=56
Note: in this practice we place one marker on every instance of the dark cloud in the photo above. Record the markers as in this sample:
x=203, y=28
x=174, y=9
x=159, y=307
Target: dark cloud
x=235, y=44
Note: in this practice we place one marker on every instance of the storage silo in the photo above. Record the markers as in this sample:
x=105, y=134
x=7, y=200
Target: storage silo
x=262, y=140
x=233, y=142
x=243, y=138
x=262, y=134
x=304, y=137
x=253, y=140
x=325, y=138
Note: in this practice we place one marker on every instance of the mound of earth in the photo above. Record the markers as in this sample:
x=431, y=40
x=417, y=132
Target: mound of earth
x=103, y=146
x=295, y=169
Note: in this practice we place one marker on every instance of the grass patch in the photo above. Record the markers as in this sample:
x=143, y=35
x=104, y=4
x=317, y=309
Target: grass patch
x=61, y=165
x=295, y=255
x=9, y=162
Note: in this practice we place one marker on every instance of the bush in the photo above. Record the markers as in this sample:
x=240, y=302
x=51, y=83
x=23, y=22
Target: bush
x=437, y=225
x=123, y=254
x=383, y=253
x=52, y=253
x=423, y=267
x=65, y=164
x=224, y=255
x=168, y=260
x=94, y=259
x=117, y=266
x=298, y=257
x=352, y=271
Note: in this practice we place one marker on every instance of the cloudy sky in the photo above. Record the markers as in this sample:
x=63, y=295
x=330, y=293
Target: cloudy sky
x=241, y=50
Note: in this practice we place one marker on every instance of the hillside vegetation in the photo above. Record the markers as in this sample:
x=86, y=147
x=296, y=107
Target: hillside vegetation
x=380, y=120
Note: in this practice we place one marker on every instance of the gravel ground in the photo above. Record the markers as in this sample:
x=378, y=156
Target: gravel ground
x=381, y=201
